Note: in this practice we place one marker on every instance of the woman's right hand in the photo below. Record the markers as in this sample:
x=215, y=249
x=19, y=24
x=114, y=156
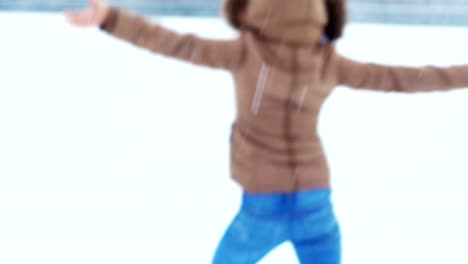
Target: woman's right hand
x=93, y=15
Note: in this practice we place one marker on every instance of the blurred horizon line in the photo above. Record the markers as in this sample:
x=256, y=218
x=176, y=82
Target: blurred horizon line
x=412, y=12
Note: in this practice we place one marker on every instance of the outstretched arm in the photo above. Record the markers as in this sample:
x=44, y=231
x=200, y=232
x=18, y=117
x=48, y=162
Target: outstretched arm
x=227, y=54
x=400, y=79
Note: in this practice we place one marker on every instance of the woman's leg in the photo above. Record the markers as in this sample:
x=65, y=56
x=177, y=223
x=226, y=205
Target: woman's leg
x=257, y=229
x=316, y=234
x=325, y=249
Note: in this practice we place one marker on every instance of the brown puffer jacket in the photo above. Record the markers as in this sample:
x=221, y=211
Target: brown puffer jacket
x=283, y=73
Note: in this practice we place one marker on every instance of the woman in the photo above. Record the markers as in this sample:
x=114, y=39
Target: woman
x=284, y=65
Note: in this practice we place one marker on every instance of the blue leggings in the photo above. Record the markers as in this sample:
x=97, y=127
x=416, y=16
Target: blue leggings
x=305, y=218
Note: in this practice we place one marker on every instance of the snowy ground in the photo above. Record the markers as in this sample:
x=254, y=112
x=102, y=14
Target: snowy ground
x=109, y=155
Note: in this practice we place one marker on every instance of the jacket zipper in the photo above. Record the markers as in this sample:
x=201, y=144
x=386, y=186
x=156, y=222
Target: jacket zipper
x=288, y=126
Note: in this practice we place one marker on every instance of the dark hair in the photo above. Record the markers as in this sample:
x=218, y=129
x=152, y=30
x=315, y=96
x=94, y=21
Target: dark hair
x=233, y=10
x=336, y=11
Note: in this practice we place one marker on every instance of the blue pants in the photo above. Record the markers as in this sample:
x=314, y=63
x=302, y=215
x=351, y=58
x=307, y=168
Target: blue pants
x=305, y=218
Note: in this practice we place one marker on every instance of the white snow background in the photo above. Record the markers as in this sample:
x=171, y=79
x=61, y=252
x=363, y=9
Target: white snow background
x=109, y=154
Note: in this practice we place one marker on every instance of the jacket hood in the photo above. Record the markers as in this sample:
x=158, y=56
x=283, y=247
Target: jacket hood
x=297, y=22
